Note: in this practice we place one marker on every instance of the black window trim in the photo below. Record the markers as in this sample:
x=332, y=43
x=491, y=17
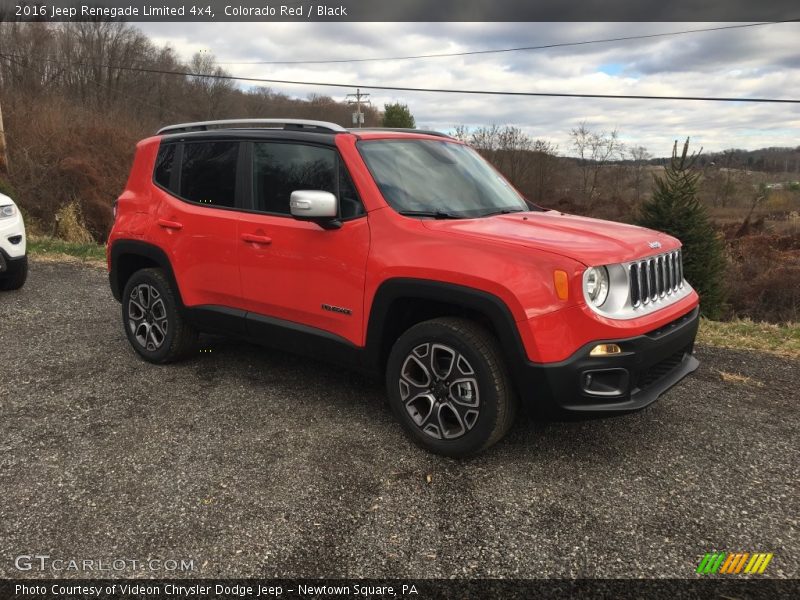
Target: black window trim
x=339, y=163
x=175, y=176
x=244, y=194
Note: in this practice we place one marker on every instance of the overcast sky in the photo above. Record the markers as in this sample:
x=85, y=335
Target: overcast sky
x=759, y=61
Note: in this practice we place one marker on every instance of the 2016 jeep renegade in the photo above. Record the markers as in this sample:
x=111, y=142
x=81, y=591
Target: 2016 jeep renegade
x=396, y=252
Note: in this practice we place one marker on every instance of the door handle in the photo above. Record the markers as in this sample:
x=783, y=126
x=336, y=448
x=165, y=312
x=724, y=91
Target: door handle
x=170, y=224
x=252, y=238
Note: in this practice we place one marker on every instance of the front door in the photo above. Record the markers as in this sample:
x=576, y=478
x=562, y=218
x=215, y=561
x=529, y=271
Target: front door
x=295, y=272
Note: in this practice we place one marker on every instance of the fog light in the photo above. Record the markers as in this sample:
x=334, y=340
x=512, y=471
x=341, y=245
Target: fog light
x=605, y=382
x=605, y=350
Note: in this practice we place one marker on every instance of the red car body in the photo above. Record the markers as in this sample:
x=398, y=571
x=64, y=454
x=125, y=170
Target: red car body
x=284, y=269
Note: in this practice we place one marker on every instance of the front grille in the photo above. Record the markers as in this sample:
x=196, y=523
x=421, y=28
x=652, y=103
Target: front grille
x=649, y=376
x=655, y=277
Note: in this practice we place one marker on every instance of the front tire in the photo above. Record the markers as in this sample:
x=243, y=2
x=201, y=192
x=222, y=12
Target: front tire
x=449, y=387
x=15, y=277
x=152, y=318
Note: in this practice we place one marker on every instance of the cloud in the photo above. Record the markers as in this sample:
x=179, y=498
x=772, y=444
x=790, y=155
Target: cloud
x=758, y=61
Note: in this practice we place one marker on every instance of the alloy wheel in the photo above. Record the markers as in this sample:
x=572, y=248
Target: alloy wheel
x=439, y=389
x=147, y=317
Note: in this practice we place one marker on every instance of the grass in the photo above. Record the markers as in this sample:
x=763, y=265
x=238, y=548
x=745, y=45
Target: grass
x=55, y=249
x=739, y=378
x=744, y=334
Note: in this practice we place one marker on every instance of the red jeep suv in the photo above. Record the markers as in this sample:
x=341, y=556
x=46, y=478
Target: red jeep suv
x=401, y=253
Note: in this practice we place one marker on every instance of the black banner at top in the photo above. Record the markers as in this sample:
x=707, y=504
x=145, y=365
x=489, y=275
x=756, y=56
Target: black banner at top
x=402, y=10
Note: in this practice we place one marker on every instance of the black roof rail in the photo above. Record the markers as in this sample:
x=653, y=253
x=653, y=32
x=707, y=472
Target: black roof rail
x=403, y=130
x=292, y=124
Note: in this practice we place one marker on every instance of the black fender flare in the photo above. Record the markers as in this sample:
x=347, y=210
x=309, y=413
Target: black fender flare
x=121, y=248
x=489, y=305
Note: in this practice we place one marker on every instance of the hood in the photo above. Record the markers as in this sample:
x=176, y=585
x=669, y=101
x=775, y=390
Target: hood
x=590, y=241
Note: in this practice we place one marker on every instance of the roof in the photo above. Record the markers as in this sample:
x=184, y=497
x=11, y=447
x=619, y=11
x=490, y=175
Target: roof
x=394, y=132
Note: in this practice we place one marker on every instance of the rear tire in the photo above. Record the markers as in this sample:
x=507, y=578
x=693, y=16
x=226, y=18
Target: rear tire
x=152, y=318
x=14, y=278
x=449, y=387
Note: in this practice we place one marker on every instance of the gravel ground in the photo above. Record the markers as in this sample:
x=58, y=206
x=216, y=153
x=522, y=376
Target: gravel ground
x=255, y=463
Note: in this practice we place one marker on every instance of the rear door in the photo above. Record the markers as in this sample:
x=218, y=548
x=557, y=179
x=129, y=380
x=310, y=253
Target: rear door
x=296, y=271
x=197, y=222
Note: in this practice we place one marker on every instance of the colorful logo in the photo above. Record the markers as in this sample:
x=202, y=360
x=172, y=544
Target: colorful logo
x=732, y=563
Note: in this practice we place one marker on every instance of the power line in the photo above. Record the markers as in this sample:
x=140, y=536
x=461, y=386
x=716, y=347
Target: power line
x=10, y=59
x=429, y=90
x=502, y=50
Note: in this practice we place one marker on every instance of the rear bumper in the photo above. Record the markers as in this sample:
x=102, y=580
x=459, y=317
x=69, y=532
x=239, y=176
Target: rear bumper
x=647, y=367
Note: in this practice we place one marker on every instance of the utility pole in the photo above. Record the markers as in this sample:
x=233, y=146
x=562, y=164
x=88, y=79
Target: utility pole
x=3, y=151
x=358, y=116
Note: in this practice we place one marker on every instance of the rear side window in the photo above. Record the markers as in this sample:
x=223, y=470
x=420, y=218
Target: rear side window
x=208, y=173
x=162, y=174
x=280, y=169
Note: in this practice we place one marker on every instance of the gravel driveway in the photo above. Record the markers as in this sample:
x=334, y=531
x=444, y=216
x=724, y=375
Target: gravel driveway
x=256, y=463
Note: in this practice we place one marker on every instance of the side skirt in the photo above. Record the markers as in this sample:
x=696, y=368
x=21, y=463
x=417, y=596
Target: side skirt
x=279, y=334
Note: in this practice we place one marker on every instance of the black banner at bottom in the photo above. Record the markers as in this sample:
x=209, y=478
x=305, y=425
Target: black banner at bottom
x=422, y=589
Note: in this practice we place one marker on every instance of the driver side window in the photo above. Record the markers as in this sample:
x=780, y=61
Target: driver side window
x=282, y=168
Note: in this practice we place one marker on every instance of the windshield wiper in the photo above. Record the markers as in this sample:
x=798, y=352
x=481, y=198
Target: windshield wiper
x=502, y=211
x=434, y=214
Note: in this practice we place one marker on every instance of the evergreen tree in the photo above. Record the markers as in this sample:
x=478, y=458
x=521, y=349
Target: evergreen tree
x=675, y=209
x=398, y=115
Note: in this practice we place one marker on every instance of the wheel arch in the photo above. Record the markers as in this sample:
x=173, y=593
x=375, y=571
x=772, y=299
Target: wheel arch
x=129, y=256
x=403, y=302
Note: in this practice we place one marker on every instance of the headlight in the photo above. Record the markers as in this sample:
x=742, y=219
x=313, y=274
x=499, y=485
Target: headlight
x=7, y=211
x=595, y=285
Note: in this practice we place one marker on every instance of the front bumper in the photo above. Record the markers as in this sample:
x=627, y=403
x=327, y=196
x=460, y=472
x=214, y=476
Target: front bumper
x=7, y=263
x=12, y=237
x=647, y=367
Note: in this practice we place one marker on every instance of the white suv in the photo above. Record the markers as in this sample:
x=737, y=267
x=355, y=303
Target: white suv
x=13, y=261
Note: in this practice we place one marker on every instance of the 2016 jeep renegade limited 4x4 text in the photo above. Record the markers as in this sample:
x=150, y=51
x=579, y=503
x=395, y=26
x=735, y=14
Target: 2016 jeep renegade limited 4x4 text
x=402, y=253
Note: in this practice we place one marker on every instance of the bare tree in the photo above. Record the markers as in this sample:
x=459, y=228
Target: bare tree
x=514, y=148
x=723, y=175
x=529, y=164
x=595, y=150
x=640, y=158
x=460, y=132
x=507, y=148
x=485, y=139
x=544, y=156
x=211, y=91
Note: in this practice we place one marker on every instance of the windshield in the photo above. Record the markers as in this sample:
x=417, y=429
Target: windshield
x=438, y=179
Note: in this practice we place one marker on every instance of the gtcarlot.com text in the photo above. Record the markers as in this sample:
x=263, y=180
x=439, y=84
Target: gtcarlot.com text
x=44, y=562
